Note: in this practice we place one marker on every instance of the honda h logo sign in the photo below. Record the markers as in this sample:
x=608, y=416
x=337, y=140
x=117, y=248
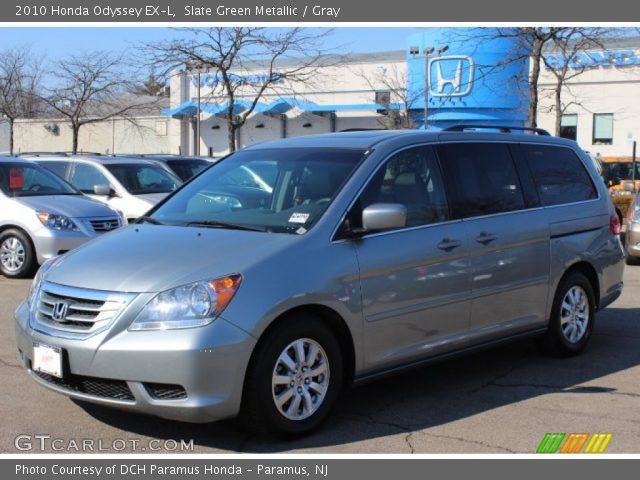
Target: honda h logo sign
x=450, y=76
x=60, y=311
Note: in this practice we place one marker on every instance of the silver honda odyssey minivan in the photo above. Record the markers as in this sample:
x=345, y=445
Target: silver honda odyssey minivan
x=355, y=255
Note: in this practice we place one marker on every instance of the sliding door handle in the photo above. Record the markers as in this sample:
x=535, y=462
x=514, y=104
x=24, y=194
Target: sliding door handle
x=486, y=238
x=448, y=244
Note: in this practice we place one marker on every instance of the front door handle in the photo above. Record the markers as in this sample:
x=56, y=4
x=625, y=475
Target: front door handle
x=486, y=238
x=448, y=244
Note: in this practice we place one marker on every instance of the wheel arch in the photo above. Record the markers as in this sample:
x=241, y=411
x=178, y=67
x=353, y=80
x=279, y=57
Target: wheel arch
x=333, y=320
x=589, y=271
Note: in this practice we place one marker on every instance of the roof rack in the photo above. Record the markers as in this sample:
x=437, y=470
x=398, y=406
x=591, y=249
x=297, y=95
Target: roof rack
x=41, y=154
x=502, y=128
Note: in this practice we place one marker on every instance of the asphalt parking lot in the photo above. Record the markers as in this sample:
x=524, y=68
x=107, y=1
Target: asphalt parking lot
x=498, y=401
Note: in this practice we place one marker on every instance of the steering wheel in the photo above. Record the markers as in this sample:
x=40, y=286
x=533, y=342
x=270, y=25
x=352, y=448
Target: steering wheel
x=322, y=201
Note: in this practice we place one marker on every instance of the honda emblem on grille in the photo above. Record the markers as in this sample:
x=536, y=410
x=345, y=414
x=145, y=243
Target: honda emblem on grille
x=107, y=225
x=60, y=311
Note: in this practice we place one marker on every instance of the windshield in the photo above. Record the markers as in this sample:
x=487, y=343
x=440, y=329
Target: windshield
x=279, y=190
x=143, y=178
x=621, y=170
x=186, y=169
x=25, y=180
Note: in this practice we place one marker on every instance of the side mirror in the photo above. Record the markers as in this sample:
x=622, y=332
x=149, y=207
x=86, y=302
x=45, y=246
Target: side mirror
x=104, y=190
x=384, y=216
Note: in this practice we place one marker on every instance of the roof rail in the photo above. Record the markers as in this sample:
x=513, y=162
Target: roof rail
x=502, y=128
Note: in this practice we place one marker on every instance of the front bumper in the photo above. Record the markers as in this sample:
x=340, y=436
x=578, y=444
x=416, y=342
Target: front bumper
x=632, y=239
x=209, y=363
x=49, y=243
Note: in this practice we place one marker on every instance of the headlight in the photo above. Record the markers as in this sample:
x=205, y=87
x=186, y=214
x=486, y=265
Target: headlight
x=192, y=305
x=55, y=221
x=37, y=279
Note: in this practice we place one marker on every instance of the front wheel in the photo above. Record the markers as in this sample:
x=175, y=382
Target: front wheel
x=17, y=255
x=572, y=316
x=294, y=378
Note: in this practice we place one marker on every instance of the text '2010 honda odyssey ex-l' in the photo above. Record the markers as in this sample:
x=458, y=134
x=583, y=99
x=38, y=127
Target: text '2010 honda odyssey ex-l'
x=369, y=252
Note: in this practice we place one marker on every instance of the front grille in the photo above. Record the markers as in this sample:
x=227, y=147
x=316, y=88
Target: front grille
x=104, y=225
x=164, y=391
x=76, y=312
x=96, y=387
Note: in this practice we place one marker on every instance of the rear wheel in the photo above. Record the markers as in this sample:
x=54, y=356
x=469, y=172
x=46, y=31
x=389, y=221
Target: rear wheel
x=294, y=379
x=631, y=260
x=572, y=316
x=17, y=255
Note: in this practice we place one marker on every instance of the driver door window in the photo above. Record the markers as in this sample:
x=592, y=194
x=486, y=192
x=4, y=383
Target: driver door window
x=412, y=178
x=85, y=177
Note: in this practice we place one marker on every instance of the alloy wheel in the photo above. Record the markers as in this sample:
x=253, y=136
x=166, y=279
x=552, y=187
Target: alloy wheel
x=300, y=379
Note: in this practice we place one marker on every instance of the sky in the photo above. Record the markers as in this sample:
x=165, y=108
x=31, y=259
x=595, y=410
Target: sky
x=57, y=42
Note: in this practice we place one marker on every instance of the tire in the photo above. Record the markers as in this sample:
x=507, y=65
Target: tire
x=268, y=378
x=631, y=260
x=574, y=303
x=17, y=255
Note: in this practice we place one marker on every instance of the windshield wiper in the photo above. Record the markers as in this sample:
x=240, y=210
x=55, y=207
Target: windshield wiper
x=148, y=219
x=234, y=226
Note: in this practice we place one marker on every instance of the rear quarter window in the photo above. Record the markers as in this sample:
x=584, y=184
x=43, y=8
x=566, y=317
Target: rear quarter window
x=559, y=175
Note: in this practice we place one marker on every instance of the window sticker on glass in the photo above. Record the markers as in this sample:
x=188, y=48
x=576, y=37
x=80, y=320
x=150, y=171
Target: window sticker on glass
x=299, y=218
x=16, y=178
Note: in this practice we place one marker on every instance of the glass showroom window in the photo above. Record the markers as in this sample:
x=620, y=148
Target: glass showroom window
x=602, y=128
x=569, y=126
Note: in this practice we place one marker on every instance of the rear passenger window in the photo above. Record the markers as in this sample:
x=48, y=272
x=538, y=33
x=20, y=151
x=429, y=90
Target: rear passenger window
x=411, y=178
x=559, y=174
x=481, y=178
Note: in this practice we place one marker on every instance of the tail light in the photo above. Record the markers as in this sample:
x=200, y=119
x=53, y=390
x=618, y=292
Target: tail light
x=614, y=224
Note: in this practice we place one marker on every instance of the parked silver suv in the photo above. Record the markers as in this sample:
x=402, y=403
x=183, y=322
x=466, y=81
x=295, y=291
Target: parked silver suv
x=131, y=185
x=41, y=216
x=370, y=252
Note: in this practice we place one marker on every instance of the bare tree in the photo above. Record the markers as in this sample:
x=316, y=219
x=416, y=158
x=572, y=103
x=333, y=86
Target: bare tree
x=19, y=85
x=400, y=100
x=529, y=43
x=563, y=64
x=152, y=86
x=536, y=43
x=230, y=52
x=90, y=88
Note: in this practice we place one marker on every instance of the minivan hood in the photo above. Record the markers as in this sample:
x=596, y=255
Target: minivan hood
x=74, y=206
x=153, y=258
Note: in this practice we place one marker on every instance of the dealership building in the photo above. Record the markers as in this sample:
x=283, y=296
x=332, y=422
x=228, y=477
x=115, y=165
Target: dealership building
x=446, y=76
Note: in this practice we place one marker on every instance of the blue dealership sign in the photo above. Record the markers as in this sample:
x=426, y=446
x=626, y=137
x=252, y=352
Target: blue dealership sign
x=594, y=59
x=478, y=76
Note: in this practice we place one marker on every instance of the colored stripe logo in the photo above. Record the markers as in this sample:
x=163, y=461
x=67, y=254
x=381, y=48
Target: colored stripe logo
x=574, y=443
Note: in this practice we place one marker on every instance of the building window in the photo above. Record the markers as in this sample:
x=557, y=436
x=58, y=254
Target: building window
x=383, y=97
x=569, y=126
x=602, y=128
